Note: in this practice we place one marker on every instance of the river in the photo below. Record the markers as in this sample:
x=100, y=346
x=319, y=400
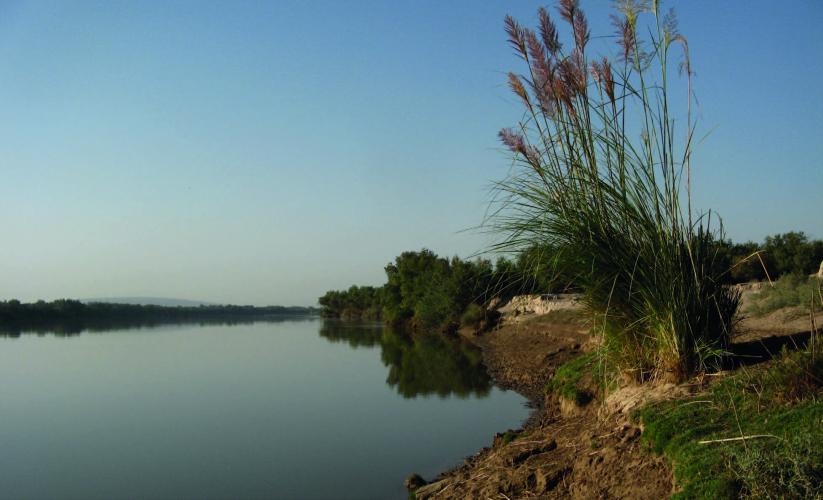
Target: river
x=272, y=409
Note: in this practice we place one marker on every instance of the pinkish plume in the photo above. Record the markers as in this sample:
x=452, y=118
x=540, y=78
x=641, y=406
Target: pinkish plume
x=597, y=71
x=581, y=29
x=573, y=72
x=602, y=74
x=513, y=140
x=516, y=36
x=568, y=9
x=625, y=35
x=536, y=49
x=542, y=86
x=517, y=87
x=608, y=79
x=548, y=31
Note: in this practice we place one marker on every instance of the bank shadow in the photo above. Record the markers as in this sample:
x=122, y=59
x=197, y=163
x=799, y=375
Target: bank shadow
x=763, y=349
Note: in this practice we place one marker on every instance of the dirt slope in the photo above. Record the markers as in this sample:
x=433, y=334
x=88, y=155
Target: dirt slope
x=589, y=451
x=579, y=452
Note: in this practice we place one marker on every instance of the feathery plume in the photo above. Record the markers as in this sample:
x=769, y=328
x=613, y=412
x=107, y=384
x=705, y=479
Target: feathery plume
x=536, y=49
x=517, y=144
x=581, y=29
x=573, y=72
x=670, y=25
x=597, y=71
x=608, y=79
x=513, y=140
x=543, y=89
x=548, y=32
x=516, y=36
x=625, y=34
x=568, y=9
x=517, y=87
x=602, y=74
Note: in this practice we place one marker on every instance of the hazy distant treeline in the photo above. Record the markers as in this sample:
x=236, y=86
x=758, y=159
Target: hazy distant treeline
x=64, y=311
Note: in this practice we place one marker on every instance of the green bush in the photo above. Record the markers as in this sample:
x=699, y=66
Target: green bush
x=793, y=252
x=431, y=292
x=472, y=316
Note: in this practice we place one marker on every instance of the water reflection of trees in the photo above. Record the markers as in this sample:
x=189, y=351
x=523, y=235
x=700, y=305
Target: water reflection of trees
x=355, y=334
x=418, y=364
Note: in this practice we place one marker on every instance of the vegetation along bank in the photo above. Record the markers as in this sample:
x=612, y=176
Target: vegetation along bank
x=670, y=380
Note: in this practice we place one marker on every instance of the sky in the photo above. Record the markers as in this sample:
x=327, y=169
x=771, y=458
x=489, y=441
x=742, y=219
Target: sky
x=265, y=152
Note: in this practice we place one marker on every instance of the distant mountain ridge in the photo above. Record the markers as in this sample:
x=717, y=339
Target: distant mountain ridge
x=148, y=301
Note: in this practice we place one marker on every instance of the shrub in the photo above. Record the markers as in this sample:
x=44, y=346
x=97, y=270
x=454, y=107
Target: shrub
x=599, y=174
x=791, y=290
x=792, y=252
x=792, y=470
x=472, y=316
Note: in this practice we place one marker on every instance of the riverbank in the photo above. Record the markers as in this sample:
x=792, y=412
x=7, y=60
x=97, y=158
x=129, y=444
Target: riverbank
x=584, y=445
x=561, y=451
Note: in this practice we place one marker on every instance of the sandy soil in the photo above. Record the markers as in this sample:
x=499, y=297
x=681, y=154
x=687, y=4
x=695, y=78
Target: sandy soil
x=563, y=450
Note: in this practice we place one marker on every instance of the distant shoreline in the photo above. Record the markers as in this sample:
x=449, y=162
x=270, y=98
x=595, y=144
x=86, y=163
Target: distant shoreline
x=72, y=316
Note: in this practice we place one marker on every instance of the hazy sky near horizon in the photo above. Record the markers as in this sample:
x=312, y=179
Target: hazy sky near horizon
x=264, y=152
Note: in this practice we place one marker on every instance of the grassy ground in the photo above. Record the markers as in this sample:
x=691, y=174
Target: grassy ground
x=773, y=413
x=791, y=291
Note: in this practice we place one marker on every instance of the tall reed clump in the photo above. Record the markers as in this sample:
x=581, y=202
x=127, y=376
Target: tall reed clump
x=600, y=174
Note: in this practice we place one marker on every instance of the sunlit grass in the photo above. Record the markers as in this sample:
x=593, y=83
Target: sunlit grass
x=757, y=433
x=802, y=293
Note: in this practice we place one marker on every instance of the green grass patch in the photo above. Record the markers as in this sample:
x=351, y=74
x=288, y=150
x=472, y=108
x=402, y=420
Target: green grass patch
x=781, y=401
x=508, y=437
x=792, y=290
x=566, y=381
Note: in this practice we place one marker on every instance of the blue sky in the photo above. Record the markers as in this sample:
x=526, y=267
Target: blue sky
x=264, y=152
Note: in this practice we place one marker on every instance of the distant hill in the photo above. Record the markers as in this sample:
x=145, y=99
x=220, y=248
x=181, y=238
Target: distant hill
x=148, y=301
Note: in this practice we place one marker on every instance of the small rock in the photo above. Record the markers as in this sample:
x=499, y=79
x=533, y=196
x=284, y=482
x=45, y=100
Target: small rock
x=414, y=481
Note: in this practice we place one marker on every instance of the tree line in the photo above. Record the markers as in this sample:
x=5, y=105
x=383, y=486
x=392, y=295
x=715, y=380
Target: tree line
x=426, y=291
x=791, y=253
x=41, y=314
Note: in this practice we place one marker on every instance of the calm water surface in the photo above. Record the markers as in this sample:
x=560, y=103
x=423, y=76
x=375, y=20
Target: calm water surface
x=291, y=409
